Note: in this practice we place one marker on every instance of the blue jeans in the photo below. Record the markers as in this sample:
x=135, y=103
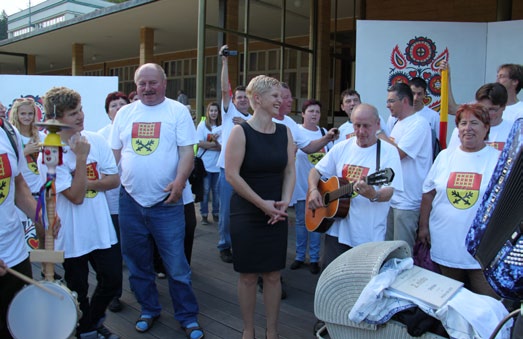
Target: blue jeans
x=302, y=235
x=225, y=208
x=163, y=224
x=210, y=183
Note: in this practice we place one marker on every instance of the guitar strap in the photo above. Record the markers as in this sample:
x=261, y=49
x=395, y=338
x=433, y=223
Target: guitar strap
x=378, y=147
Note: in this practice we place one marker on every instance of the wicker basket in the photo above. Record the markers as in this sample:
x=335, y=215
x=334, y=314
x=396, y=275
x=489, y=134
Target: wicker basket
x=341, y=284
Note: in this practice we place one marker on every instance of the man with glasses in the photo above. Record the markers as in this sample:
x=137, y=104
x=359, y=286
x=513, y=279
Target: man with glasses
x=494, y=96
x=412, y=136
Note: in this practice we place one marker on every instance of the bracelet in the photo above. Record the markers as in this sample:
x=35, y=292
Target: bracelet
x=312, y=189
x=376, y=197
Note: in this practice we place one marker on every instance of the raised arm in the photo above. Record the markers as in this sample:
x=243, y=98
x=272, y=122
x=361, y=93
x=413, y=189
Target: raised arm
x=453, y=106
x=226, y=86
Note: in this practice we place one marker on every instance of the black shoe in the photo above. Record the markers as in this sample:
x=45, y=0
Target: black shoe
x=296, y=264
x=104, y=333
x=314, y=268
x=226, y=255
x=216, y=218
x=115, y=305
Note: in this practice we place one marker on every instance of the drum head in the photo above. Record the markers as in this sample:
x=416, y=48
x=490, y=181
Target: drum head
x=37, y=314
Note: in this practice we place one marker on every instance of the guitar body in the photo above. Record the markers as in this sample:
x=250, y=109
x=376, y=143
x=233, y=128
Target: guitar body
x=321, y=219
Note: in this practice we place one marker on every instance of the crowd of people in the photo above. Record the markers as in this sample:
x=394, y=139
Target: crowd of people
x=149, y=222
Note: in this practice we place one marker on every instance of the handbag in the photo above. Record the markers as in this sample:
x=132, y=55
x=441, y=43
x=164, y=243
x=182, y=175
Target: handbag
x=196, y=178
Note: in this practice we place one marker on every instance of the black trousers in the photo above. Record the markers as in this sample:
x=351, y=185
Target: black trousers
x=107, y=263
x=9, y=286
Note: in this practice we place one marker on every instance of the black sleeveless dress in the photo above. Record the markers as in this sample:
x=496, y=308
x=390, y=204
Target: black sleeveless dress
x=257, y=246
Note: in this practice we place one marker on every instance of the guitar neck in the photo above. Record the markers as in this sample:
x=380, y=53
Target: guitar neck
x=340, y=192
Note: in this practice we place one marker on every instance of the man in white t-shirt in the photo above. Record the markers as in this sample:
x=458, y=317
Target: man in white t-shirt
x=418, y=87
x=88, y=236
x=412, y=136
x=354, y=159
x=234, y=111
x=156, y=136
x=511, y=76
x=13, y=250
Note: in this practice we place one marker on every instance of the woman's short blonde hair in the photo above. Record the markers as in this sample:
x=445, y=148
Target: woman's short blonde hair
x=259, y=85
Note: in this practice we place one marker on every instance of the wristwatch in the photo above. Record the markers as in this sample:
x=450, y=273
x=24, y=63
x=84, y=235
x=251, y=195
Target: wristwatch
x=376, y=197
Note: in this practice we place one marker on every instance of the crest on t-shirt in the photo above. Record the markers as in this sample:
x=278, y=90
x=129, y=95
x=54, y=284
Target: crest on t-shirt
x=350, y=135
x=145, y=137
x=353, y=173
x=463, y=189
x=314, y=158
x=499, y=145
x=92, y=174
x=5, y=177
x=32, y=163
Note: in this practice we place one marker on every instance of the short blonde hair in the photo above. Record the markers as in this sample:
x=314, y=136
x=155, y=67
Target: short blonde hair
x=259, y=85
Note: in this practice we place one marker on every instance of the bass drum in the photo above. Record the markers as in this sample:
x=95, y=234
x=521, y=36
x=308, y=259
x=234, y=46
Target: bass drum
x=37, y=314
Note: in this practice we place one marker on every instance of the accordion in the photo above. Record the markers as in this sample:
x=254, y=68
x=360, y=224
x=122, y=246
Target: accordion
x=495, y=237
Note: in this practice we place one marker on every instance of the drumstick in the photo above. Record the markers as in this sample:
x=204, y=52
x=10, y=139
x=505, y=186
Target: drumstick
x=34, y=282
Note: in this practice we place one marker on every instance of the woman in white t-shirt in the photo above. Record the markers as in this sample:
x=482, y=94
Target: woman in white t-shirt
x=452, y=193
x=209, y=148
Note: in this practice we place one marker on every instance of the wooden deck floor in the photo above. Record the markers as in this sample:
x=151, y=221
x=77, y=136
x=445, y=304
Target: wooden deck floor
x=214, y=283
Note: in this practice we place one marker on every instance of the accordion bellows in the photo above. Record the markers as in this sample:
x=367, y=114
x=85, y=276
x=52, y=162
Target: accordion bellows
x=495, y=237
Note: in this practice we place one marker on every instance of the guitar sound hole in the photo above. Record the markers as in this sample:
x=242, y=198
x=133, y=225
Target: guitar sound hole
x=326, y=199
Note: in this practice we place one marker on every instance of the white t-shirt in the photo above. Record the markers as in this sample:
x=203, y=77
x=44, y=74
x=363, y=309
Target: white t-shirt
x=497, y=136
x=113, y=196
x=12, y=244
x=148, y=137
x=414, y=137
x=460, y=180
x=85, y=227
x=227, y=125
x=367, y=221
x=346, y=131
x=210, y=157
x=299, y=140
x=513, y=112
x=304, y=162
x=430, y=115
x=30, y=172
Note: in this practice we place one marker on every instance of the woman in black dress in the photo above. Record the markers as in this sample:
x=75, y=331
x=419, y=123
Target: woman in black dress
x=259, y=165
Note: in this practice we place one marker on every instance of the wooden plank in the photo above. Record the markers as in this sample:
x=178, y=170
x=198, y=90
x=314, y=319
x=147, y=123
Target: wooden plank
x=215, y=286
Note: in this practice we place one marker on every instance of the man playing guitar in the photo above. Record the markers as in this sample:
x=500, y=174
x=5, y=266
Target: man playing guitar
x=353, y=160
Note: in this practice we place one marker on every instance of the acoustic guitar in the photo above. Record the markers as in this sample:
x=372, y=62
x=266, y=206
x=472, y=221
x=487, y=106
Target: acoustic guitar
x=335, y=193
